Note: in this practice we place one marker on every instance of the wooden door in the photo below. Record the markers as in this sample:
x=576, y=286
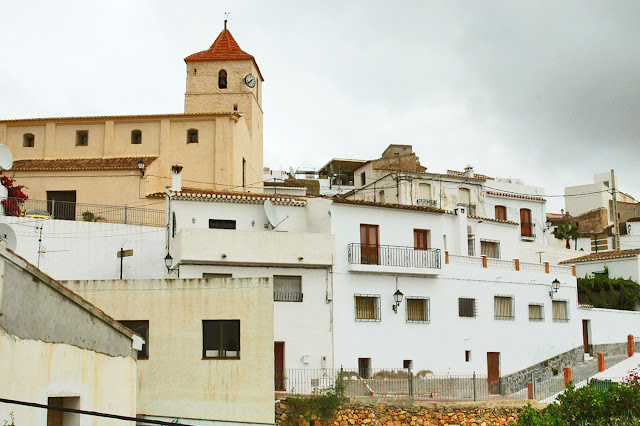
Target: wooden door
x=420, y=239
x=364, y=367
x=585, y=335
x=55, y=417
x=526, y=227
x=493, y=372
x=369, y=244
x=278, y=352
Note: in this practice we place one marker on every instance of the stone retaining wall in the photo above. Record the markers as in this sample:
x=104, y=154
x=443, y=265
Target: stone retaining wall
x=410, y=414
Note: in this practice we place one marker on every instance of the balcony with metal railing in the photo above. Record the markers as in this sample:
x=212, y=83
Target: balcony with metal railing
x=67, y=210
x=395, y=260
x=527, y=231
x=423, y=202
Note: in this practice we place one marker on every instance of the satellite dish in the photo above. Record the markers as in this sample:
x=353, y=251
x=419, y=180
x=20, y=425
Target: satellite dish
x=6, y=158
x=8, y=237
x=292, y=172
x=270, y=211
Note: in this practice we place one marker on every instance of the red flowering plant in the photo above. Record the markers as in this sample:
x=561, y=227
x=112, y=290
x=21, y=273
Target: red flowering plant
x=15, y=198
x=633, y=379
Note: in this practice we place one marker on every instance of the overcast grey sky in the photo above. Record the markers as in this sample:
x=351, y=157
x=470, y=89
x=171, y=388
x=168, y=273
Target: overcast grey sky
x=545, y=91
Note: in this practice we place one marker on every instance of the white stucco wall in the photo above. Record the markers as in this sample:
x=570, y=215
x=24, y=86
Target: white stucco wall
x=610, y=325
x=34, y=370
x=626, y=267
x=88, y=250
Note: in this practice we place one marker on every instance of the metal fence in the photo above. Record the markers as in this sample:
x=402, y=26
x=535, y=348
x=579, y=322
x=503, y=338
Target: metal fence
x=372, y=254
x=387, y=382
x=66, y=210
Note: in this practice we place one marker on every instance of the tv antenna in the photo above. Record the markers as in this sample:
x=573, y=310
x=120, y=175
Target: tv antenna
x=272, y=216
x=8, y=237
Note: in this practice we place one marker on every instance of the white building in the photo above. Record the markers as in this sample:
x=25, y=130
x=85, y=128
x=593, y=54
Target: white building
x=585, y=198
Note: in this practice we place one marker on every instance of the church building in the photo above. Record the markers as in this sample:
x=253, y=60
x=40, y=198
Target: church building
x=119, y=160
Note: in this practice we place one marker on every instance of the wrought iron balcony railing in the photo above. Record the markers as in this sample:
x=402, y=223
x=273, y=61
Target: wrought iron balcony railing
x=368, y=254
x=527, y=230
x=426, y=202
x=287, y=297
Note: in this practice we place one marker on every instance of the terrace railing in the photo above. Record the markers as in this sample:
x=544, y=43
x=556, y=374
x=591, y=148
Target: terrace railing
x=371, y=254
x=67, y=210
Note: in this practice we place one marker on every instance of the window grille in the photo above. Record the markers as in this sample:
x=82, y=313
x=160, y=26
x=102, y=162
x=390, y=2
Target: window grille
x=560, y=311
x=536, y=312
x=222, y=224
x=490, y=248
x=466, y=307
x=471, y=242
x=367, y=307
x=503, y=307
x=287, y=288
x=417, y=309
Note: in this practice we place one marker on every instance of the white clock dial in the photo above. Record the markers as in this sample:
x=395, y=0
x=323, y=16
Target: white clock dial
x=250, y=80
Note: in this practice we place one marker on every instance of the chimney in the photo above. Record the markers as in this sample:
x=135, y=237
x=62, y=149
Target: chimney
x=176, y=177
x=468, y=171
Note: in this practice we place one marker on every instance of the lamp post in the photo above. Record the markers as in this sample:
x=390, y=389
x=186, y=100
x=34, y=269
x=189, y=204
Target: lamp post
x=397, y=298
x=141, y=167
x=555, y=286
x=168, y=261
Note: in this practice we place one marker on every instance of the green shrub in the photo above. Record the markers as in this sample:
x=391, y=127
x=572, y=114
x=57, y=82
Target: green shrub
x=323, y=402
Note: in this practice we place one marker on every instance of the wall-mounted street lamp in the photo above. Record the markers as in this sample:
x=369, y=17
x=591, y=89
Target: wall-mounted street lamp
x=141, y=167
x=168, y=261
x=397, y=298
x=555, y=286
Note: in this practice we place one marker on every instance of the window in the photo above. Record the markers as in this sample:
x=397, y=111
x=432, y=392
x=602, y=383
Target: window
x=235, y=107
x=28, y=140
x=61, y=204
x=136, y=137
x=222, y=224
x=82, y=138
x=526, y=227
x=244, y=173
x=424, y=191
x=221, y=338
x=501, y=213
x=560, y=311
x=417, y=309
x=471, y=246
x=467, y=356
x=364, y=367
x=174, y=225
x=490, y=248
x=466, y=307
x=420, y=239
x=367, y=307
x=464, y=197
x=222, y=79
x=209, y=275
x=536, y=312
x=287, y=288
x=363, y=179
x=141, y=328
x=62, y=418
x=503, y=307
x=192, y=136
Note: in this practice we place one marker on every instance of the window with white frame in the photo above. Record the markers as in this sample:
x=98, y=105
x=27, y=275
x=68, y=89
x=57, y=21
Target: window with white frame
x=467, y=307
x=503, y=308
x=490, y=248
x=536, y=312
x=560, y=310
x=367, y=307
x=287, y=288
x=221, y=339
x=417, y=309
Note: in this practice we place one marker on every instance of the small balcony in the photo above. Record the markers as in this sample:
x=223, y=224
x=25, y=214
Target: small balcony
x=527, y=231
x=394, y=260
x=426, y=202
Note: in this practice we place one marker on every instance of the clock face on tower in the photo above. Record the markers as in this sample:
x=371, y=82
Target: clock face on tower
x=250, y=81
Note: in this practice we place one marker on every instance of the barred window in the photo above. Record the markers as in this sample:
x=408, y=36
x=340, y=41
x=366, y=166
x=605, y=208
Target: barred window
x=367, y=307
x=417, y=309
x=466, y=307
x=471, y=243
x=503, y=307
x=560, y=311
x=222, y=224
x=287, y=288
x=490, y=248
x=536, y=312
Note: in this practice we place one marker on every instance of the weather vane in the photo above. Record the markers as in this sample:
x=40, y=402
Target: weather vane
x=226, y=17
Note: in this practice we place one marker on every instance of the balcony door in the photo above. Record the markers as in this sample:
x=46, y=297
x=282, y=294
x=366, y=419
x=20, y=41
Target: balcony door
x=369, y=244
x=526, y=227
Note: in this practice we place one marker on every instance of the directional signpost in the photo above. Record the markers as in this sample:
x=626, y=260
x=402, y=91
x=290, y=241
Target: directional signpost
x=121, y=255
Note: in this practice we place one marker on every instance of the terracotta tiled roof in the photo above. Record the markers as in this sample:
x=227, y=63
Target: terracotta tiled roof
x=225, y=48
x=122, y=117
x=475, y=175
x=388, y=205
x=602, y=255
x=231, y=197
x=488, y=219
x=634, y=219
x=122, y=163
x=522, y=197
x=283, y=184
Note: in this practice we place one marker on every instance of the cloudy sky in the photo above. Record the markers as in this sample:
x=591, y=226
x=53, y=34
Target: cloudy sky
x=545, y=91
